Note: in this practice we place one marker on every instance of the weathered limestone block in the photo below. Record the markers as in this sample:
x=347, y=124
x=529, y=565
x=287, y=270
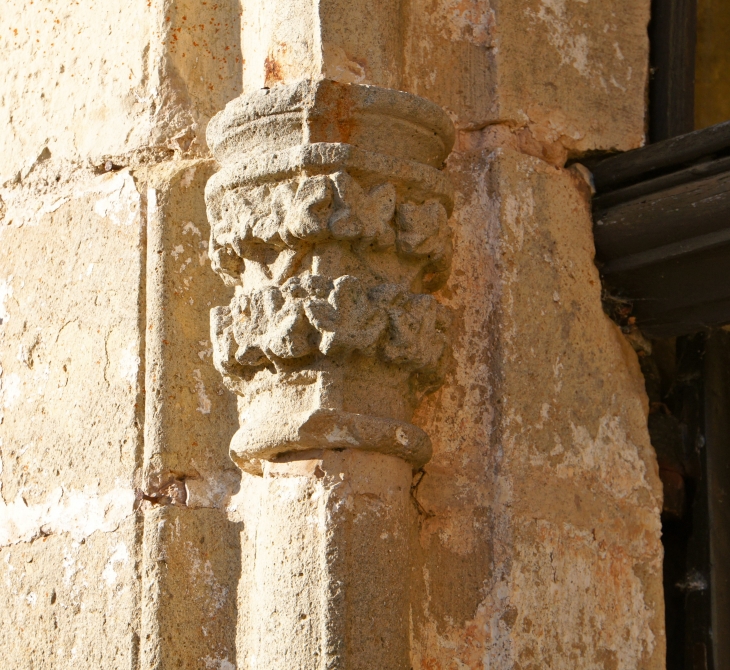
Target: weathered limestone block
x=190, y=551
x=332, y=542
x=193, y=413
x=72, y=601
x=550, y=78
x=85, y=81
x=70, y=418
x=540, y=525
x=329, y=219
x=349, y=42
x=191, y=562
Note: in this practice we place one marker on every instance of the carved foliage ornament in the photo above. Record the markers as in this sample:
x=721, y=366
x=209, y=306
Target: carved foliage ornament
x=333, y=247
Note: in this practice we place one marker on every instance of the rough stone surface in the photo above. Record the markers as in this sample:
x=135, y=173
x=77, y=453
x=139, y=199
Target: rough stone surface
x=551, y=78
x=306, y=40
x=95, y=257
x=330, y=529
x=128, y=537
x=540, y=508
x=70, y=602
x=70, y=418
x=191, y=564
x=88, y=80
x=332, y=337
x=330, y=341
x=191, y=558
x=193, y=413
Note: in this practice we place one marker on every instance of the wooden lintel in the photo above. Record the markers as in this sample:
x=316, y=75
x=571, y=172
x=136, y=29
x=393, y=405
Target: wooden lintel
x=662, y=231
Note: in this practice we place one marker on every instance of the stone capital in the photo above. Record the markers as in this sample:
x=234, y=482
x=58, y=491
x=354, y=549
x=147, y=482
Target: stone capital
x=329, y=216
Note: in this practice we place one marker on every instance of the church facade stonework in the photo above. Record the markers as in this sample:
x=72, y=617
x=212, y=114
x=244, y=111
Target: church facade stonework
x=303, y=362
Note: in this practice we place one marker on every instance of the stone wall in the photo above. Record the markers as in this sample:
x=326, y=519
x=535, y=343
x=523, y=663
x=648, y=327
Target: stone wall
x=539, y=525
x=128, y=537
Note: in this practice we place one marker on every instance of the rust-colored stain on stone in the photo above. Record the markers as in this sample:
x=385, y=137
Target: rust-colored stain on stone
x=272, y=71
x=344, y=118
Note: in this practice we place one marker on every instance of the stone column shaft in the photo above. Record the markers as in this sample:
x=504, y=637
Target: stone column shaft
x=330, y=585
x=329, y=217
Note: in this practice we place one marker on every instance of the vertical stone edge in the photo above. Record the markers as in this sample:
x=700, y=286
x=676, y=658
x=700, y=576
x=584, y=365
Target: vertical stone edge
x=190, y=551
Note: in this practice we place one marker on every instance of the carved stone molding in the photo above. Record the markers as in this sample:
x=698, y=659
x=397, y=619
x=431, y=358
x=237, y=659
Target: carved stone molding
x=329, y=216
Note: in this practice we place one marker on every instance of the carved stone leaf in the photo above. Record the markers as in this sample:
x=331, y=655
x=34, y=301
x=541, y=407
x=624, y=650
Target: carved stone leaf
x=291, y=333
x=251, y=355
x=221, y=336
x=361, y=215
x=248, y=353
x=345, y=223
x=226, y=262
x=422, y=229
x=348, y=320
x=415, y=338
x=311, y=209
x=225, y=349
x=278, y=322
x=378, y=213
